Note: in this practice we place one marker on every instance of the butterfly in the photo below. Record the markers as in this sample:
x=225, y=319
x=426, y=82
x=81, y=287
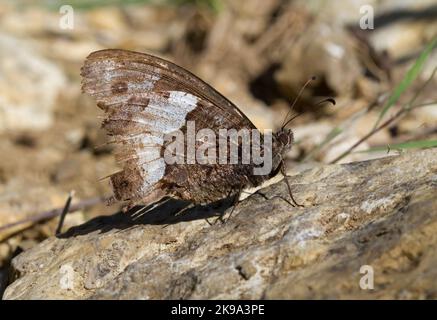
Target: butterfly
x=146, y=98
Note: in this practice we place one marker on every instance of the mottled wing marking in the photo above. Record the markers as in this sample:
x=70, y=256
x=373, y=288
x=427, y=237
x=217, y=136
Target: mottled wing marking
x=138, y=118
x=145, y=97
x=149, y=73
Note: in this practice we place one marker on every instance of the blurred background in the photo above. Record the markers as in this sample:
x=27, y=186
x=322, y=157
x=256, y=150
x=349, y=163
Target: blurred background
x=258, y=53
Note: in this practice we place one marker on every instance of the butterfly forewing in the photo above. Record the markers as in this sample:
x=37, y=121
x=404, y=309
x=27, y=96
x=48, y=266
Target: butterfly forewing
x=145, y=98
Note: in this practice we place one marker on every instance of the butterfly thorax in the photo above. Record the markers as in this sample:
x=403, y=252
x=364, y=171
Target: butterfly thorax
x=281, y=145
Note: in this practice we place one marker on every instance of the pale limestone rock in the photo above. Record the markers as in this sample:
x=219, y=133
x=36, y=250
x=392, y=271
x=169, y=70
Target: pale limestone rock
x=381, y=213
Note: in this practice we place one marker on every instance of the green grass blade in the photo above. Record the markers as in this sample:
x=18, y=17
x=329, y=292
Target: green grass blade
x=421, y=144
x=407, y=80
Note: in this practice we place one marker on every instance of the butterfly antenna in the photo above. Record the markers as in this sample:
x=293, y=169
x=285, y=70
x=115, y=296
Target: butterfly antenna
x=313, y=78
x=330, y=100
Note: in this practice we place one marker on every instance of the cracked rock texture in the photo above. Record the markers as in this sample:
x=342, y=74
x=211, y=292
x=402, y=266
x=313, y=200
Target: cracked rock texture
x=380, y=213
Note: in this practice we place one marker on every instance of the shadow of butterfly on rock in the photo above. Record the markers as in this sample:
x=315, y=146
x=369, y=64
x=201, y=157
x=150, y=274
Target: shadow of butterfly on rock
x=146, y=98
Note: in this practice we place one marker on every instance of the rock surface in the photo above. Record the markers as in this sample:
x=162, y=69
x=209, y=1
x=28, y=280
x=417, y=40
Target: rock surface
x=379, y=213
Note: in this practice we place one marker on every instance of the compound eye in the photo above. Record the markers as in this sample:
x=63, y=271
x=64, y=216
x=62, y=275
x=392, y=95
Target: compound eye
x=283, y=137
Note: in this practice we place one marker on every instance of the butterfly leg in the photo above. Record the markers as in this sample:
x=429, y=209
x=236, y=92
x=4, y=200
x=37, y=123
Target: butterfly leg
x=220, y=218
x=279, y=197
x=284, y=173
x=235, y=203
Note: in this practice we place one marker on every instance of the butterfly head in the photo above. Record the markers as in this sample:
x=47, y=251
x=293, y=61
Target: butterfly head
x=283, y=140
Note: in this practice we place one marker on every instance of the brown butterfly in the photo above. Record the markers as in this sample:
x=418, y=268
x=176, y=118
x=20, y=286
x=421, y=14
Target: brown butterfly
x=145, y=98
